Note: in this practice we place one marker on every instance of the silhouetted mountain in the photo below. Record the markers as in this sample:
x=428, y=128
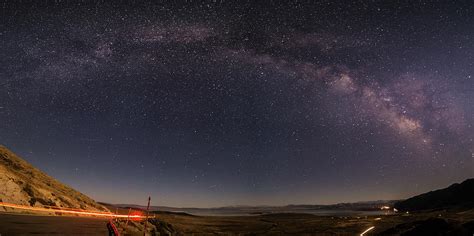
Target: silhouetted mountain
x=21, y=183
x=457, y=195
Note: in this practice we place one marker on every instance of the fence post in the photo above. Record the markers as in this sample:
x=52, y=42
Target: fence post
x=146, y=215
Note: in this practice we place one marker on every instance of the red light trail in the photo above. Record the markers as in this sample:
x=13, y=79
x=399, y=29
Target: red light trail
x=70, y=211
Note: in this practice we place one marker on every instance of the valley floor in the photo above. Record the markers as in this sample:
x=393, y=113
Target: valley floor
x=272, y=224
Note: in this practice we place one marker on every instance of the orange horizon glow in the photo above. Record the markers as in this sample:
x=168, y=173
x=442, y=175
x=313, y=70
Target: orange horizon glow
x=71, y=211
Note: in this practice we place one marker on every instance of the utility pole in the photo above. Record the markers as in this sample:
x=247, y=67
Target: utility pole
x=146, y=215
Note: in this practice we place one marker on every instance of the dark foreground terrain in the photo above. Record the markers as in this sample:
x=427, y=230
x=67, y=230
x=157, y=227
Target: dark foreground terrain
x=443, y=222
x=427, y=223
x=51, y=225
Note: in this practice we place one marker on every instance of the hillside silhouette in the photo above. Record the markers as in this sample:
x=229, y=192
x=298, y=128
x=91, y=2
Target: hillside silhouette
x=459, y=195
x=23, y=184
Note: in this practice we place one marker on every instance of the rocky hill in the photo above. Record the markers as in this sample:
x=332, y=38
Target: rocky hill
x=457, y=195
x=21, y=183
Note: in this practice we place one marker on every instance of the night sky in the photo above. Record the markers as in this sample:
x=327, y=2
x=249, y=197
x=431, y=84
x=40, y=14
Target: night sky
x=240, y=103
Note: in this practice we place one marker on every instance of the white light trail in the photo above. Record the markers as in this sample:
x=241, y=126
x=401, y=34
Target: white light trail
x=367, y=230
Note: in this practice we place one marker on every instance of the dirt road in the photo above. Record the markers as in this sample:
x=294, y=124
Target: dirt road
x=51, y=225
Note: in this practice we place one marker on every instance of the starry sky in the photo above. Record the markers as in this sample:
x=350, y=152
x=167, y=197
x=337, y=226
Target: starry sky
x=223, y=103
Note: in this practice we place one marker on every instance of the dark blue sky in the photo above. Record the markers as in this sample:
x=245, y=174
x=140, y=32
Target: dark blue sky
x=213, y=104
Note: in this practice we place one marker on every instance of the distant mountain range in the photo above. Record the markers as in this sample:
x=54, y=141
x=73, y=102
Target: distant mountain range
x=243, y=210
x=455, y=196
x=23, y=184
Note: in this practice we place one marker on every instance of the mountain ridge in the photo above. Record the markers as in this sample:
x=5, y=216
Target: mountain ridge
x=23, y=184
x=459, y=195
